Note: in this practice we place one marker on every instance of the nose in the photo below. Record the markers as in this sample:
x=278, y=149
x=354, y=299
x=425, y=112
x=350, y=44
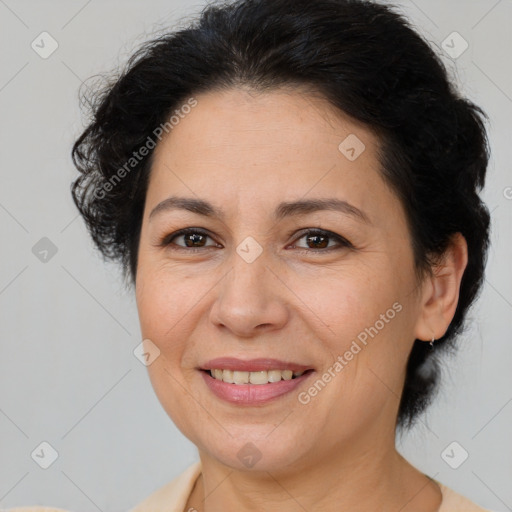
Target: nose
x=250, y=299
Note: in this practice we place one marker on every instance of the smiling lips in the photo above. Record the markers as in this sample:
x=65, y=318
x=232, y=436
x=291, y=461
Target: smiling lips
x=253, y=381
x=253, y=365
x=262, y=377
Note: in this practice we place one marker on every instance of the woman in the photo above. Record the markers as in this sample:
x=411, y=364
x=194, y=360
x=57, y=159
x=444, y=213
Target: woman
x=292, y=187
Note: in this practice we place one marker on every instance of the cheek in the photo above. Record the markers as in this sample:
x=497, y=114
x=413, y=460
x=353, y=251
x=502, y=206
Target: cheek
x=166, y=295
x=366, y=346
x=346, y=300
x=165, y=306
x=157, y=307
x=366, y=319
x=172, y=304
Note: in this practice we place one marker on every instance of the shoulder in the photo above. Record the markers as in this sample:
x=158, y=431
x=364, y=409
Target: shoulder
x=454, y=502
x=33, y=509
x=173, y=496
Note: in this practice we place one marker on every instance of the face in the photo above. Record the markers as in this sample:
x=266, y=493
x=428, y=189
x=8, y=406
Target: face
x=299, y=252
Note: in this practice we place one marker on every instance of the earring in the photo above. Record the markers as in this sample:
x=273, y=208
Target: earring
x=432, y=342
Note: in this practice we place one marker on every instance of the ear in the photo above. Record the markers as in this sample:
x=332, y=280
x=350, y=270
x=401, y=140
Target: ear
x=440, y=291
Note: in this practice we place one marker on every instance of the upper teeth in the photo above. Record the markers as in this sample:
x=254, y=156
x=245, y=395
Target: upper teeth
x=264, y=377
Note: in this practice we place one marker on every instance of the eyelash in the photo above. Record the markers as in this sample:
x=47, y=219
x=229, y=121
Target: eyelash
x=342, y=242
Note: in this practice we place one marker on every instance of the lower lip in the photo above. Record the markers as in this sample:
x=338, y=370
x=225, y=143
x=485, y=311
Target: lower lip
x=250, y=394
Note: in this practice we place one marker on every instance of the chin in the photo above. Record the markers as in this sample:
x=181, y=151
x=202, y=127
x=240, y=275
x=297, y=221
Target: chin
x=253, y=448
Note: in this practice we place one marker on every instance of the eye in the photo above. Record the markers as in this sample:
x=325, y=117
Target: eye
x=320, y=239
x=316, y=240
x=193, y=238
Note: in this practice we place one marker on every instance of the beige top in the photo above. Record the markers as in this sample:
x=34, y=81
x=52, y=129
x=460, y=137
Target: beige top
x=173, y=497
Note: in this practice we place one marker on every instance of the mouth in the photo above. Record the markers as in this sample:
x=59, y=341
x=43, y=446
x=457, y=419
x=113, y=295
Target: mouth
x=253, y=382
x=258, y=378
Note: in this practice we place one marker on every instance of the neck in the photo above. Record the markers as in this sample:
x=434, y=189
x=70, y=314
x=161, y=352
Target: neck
x=370, y=479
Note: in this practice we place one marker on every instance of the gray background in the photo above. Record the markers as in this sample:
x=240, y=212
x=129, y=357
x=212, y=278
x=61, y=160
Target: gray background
x=68, y=327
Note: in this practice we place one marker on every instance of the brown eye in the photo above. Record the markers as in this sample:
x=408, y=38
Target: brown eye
x=318, y=241
x=321, y=240
x=191, y=238
x=194, y=239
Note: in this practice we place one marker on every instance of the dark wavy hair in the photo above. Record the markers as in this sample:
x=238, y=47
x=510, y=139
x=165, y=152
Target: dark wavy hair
x=368, y=62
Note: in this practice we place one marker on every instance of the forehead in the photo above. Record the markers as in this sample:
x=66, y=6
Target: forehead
x=238, y=144
x=295, y=121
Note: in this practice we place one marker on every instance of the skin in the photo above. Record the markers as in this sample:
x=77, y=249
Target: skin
x=246, y=152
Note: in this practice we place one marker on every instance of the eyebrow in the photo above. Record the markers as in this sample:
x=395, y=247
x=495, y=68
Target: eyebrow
x=284, y=209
